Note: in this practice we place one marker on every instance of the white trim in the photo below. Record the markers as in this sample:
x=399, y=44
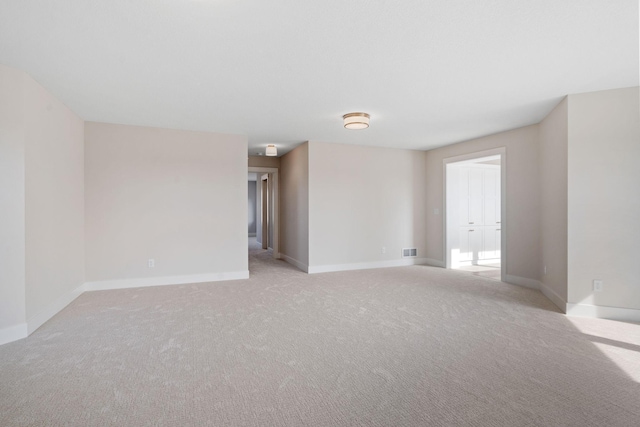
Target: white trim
x=434, y=262
x=165, y=280
x=366, y=265
x=52, y=309
x=554, y=297
x=604, y=312
x=522, y=281
x=13, y=333
x=295, y=262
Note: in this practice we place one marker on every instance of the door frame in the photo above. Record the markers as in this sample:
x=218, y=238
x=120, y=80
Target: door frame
x=502, y=152
x=275, y=244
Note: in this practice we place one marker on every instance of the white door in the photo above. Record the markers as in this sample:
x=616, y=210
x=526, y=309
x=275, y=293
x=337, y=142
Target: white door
x=490, y=243
x=470, y=244
x=491, y=205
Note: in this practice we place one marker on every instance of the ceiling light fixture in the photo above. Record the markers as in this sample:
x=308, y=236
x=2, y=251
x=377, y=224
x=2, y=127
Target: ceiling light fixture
x=356, y=120
x=271, y=150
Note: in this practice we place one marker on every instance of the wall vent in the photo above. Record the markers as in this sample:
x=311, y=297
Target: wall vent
x=409, y=253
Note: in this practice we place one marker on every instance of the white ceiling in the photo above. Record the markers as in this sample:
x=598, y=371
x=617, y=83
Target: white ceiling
x=430, y=72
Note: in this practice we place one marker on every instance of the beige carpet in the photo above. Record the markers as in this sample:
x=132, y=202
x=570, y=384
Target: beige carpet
x=408, y=346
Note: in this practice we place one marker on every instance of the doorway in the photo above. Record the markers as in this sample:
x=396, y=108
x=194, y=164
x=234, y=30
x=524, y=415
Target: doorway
x=266, y=209
x=475, y=211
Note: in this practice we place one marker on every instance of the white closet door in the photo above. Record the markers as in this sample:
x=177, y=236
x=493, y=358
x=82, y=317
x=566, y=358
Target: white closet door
x=490, y=242
x=470, y=243
x=476, y=196
x=491, y=186
x=463, y=196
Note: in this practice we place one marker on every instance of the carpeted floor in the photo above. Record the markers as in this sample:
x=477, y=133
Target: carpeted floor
x=407, y=346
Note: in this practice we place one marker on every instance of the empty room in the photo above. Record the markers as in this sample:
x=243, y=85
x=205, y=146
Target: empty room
x=319, y=213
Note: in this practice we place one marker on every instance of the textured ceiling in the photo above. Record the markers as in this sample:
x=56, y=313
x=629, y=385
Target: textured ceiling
x=430, y=73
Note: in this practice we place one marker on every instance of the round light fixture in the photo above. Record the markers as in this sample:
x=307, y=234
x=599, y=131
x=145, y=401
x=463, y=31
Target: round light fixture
x=356, y=120
x=271, y=150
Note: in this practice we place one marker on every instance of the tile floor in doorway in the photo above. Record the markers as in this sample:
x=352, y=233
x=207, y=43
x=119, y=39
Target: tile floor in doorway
x=491, y=271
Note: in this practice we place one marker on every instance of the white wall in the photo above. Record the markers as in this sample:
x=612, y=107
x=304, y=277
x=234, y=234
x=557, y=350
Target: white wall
x=362, y=199
x=294, y=206
x=12, y=206
x=553, y=152
x=42, y=199
x=522, y=193
x=263, y=161
x=177, y=197
x=603, y=198
x=54, y=153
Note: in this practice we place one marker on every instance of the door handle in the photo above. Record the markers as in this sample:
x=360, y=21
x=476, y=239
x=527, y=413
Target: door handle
x=497, y=222
x=471, y=223
x=471, y=231
x=498, y=229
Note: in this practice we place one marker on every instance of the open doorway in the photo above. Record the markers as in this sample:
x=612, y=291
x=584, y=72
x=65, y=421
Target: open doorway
x=475, y=207
x=263, y=212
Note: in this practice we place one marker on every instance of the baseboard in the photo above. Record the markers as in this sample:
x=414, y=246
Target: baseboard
x=366, y=265
x=252, y=234
x=13, y=333
x=295, y=262
x=165, y=280
x=554, y=297
x=434, y=262
x=604, y=312
x=523, y=281
x=52, y=309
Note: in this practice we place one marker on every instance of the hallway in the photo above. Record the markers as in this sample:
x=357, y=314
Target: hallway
x=262, y=265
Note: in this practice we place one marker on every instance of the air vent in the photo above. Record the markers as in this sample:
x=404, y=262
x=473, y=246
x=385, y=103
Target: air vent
x=409, y=253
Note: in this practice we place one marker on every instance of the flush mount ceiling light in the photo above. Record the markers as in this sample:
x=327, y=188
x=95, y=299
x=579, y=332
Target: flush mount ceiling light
x=271, y=150
x=356, y=120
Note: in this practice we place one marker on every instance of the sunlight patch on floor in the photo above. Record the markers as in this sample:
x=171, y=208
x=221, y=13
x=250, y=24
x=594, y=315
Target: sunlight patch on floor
x=619, y=341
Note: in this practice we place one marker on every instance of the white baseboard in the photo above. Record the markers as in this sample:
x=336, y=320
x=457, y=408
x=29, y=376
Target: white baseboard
x=13, y=333
x=366, y=265
x=295, y=262
x=554, y=297
x=434, y=262
x=165, y=280
x=52, y=309
x=523, y=281
x=604, y=312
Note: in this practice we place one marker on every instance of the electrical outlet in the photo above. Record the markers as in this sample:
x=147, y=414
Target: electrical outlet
x=384, y=250
x=436, y=211
x=152, y=263
x=598, y=286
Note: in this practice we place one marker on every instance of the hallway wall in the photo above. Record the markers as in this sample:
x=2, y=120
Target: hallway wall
x=252, y=208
